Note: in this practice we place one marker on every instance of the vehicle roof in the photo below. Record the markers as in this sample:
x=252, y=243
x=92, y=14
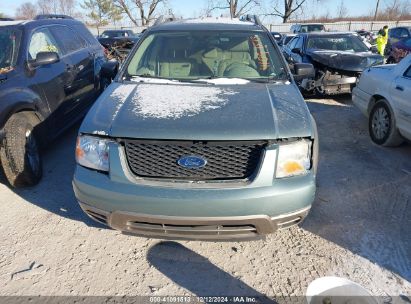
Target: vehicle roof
x=319, y=34
x=119, y=30
x=405, y=26
x=40, y=22
x=309, y=24
x=209, y=23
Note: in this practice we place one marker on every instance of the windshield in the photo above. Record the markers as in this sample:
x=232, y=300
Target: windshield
x=114, y=34
x=9, y=46
x=349, y=43
x=312, y=28
x=207, y=54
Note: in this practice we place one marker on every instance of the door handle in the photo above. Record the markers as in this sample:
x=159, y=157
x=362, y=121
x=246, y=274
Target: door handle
x=69, y=67
x=399, y=88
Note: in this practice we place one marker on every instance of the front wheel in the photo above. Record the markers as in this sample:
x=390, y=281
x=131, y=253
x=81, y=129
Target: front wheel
x=381, y=125
x=20, y=154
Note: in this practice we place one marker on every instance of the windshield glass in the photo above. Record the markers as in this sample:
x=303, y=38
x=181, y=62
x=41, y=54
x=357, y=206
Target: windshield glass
x=9, y=46
x=114, y=34
x=349, y=43
x=312, y=28
x=207, y=54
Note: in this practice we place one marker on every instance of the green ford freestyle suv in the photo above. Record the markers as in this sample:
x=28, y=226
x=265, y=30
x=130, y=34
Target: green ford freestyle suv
x=202, y=135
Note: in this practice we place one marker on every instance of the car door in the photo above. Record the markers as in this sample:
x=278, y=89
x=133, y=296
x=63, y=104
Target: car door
x=400, y=93
x=80, y=66
x=51, y=79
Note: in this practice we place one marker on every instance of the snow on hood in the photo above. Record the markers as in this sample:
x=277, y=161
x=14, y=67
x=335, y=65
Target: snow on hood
x=120, y=94
x=222, y=81
x=161, y=101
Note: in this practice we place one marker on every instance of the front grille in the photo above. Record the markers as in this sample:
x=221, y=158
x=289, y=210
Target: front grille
x=225, y=160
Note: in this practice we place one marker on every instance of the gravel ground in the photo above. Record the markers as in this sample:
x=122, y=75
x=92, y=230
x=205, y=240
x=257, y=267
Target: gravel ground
x=359, y=228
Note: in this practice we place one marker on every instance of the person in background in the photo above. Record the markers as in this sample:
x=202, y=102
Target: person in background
x=382, y=40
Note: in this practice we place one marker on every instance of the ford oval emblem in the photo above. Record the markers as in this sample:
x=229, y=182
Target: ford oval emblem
x=192, y=162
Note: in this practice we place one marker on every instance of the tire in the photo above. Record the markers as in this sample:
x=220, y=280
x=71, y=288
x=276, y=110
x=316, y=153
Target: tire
x=381, y=125
x=20, y=154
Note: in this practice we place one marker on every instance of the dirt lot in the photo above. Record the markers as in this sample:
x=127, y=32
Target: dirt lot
x=359, y=228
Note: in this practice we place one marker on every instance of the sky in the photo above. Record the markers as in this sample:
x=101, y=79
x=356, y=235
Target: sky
x=188, y=8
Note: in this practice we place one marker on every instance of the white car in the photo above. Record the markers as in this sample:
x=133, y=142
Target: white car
x=383, y=94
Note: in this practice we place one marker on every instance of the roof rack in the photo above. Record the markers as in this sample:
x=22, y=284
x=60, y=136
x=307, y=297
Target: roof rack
x=52, y=16
x=6, y=19
x=252, y=18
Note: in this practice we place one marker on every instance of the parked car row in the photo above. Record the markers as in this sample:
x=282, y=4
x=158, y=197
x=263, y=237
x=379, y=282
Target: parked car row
x=118, y=43
x=171, y=148
x=338, y=58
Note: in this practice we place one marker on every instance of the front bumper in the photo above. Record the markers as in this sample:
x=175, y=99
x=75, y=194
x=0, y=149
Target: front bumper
x=197, y=228
x=191, y=210
x=361, y=100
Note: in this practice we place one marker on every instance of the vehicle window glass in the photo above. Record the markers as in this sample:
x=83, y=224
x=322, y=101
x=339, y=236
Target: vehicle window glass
x=403, y=33
x=287, y=39
x=299, y=44
x=408, y=72
x=205, y=54
x=42, y=40
x=292, y=43
x=349, y=43
x=86, y=34
x=68, y=39
x=407, y=42
x=394, y=33
x=10, y=39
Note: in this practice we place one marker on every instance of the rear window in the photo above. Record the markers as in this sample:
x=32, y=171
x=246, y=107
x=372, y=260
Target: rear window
x=68, y=39
x=114, y=34
x=312, y=28
x=86, y=34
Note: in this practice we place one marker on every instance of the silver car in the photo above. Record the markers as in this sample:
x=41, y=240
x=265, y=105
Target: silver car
x=383, y=95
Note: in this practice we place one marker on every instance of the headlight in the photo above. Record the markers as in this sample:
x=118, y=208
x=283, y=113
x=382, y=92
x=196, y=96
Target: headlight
x=92, y=152
x=294, y=159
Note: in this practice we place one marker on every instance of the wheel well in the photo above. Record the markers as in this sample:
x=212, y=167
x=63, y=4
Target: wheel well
x=373, y=101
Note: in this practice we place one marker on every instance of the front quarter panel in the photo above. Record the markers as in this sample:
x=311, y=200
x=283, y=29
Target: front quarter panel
x=15, y=97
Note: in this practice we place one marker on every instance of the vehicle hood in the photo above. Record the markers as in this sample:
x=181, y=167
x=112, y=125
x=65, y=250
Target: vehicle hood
x=345, y=61
x=200, y=112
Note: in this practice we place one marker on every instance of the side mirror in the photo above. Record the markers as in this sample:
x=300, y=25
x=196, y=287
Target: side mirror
x=303, y=71
x=45, y=58
x=109, y=69
x=296, y=51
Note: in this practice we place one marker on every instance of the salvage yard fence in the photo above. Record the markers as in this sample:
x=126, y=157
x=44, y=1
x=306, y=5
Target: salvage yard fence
x=285, y=27
x=344, y=26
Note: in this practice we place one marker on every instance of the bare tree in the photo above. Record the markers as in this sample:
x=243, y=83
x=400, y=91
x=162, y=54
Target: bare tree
x=342, y=11
x=65, y=7
x=288, y=8
x=235, y=7
x=100, y=12
x=395, y=9
x=146, y=9
x=26, y=11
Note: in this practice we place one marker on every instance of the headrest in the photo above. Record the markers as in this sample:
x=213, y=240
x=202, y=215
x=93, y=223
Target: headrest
x=211, y=54
x=241, y=47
